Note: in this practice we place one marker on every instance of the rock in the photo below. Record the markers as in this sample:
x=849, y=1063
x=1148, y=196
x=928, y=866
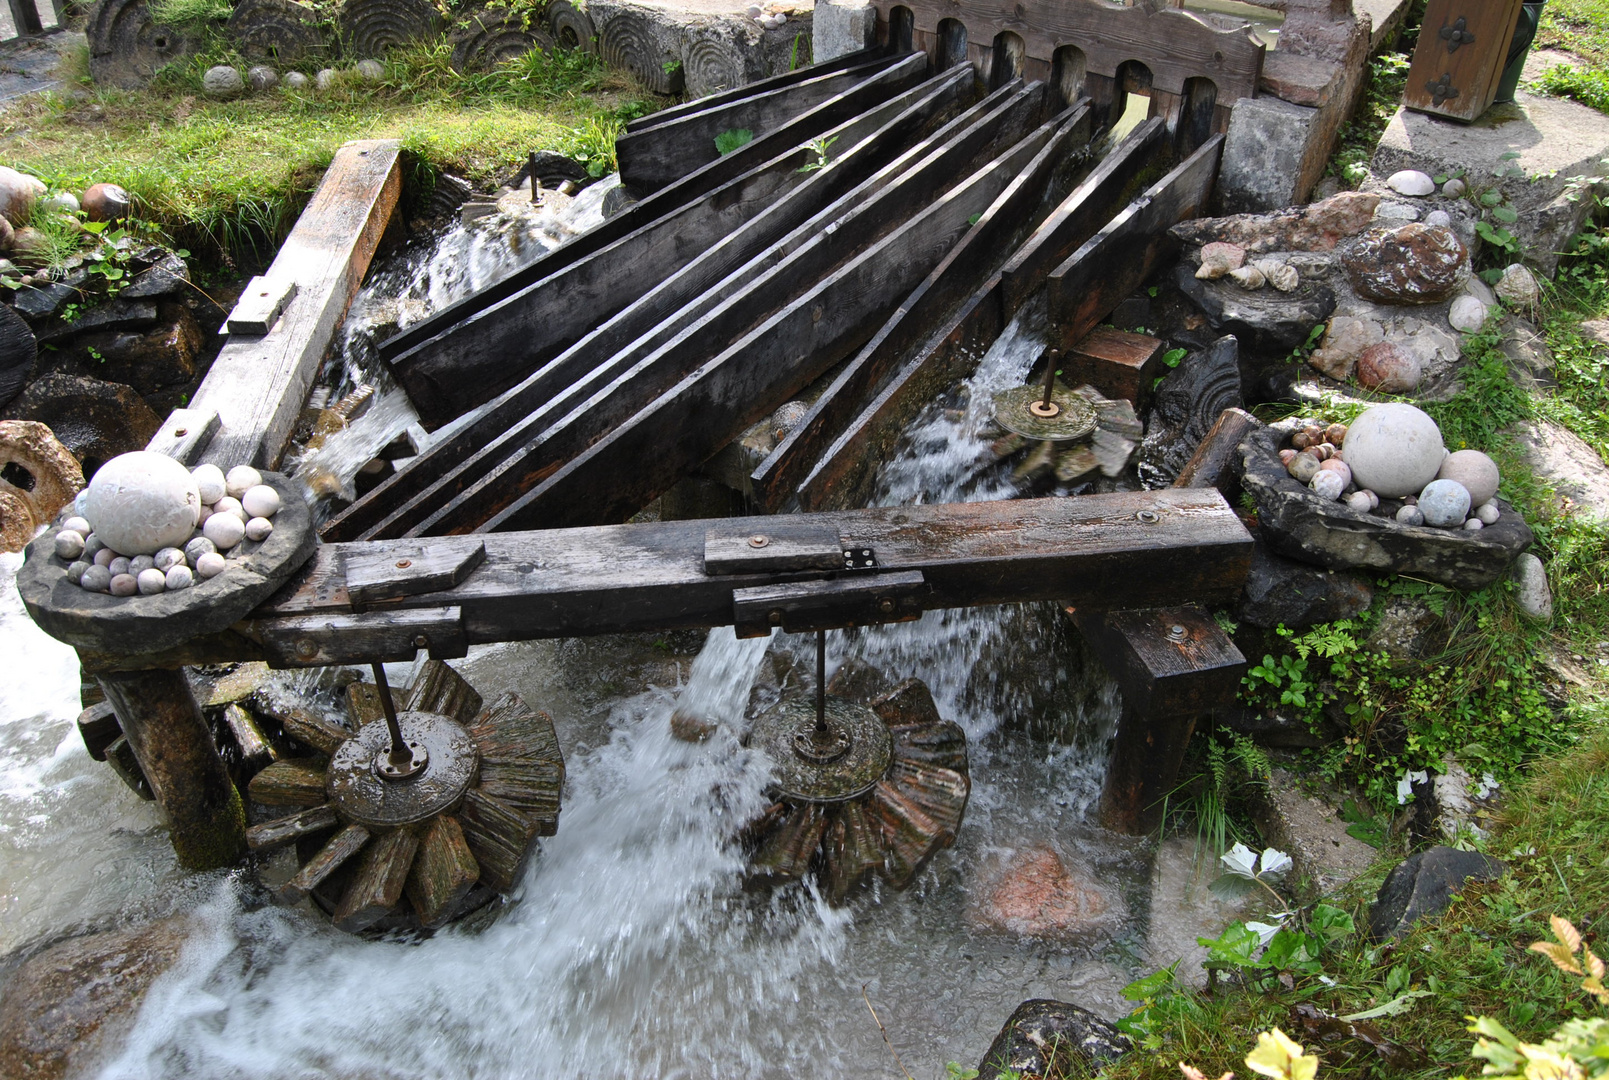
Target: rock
x=1186, y=405
x=1439, y=217
x=1263, y=321
x=151, y=581
x=1531, y=590
x=1388, y=369
x=1318, y=226
x=141, y=502
x=1467, y=314
x=30, y=246
x=240, y=479
x=1445, y=504
x=258, y=528
x=325, y=79
x=1218, y=259
x=1395, y=213
x=1422, y=885
x=1327, y=486
x=262, y=501
x=69, y=545
x=1332, y=363
x=1473, y=469
x=1474, y=524
x=1394, y=450
x=62, y=202
x=18, y=194
x=1362, y=501
x=1304, y=467
x=210, y=565
x=1041, y=1026
x=96, y=579
x=1309, y=829
x=61, y=1006
x=1351, y=335
x=1281, y=591
x=838, y=28
x=1461, y=803
x=36, y=302
x=1283, y=277
x=370, y=71
x=294, y=81
x=261, y=77
x=222, y=82
x=1035, y=895
x=1411, y=264
x=95, y=420
x=1411, y=182
x=224, y=530
x=1517, y=288
x=1407, y=629
x=1454, y=189
x=169, y=276
x=1568, y=463
x=177, y=577
x=1530, y=358
x=210, y=483
x=123, y=584
x=1488, y=513
x=118, y=314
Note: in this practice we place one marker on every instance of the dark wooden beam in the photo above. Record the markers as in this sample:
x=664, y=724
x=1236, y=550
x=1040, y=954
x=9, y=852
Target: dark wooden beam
x=760, y=86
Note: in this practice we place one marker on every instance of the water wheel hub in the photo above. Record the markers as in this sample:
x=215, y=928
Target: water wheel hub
x=1064, y=417
x=366, y=793
x=813, y=766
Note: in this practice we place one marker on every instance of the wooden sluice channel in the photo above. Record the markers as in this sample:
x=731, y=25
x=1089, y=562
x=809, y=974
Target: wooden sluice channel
x=884, y=224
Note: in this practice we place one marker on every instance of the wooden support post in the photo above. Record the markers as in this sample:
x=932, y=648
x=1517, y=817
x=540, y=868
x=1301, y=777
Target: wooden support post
x=1213, y=463
x=1115, y=362
x=163, y=724
x=1173, y=665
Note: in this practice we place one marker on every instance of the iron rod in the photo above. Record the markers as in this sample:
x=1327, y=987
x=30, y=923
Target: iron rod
x=1051, y=358
x=399, y=750
x=821, y=682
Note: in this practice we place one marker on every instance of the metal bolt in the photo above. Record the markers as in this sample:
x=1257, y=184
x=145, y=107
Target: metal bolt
x=759, y=541
x=421, y=642
x=181, y=433
x=403, y=564
x=886, y=605
x=1176, y=632
x=1148, y=517
x=306, y=648
x=774, y=617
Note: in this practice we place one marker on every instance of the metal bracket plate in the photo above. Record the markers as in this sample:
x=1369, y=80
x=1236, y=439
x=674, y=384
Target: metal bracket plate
x=862, y=600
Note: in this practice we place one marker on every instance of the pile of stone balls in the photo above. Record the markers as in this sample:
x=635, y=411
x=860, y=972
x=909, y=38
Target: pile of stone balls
x=148, y=525
x=1391, y=460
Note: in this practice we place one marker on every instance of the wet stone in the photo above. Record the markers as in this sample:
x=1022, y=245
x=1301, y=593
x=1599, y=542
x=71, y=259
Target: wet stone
x=1037, y=895
x=1423, y=885
x=1040, y=1026
x=1284, y=592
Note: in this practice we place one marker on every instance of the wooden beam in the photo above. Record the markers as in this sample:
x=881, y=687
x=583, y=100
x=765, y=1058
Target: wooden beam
x=257, y=385
x=759, y=86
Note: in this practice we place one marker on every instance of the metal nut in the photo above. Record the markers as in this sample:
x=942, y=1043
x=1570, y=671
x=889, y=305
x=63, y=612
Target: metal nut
x=421, y=642
x=774, y=617
x=403, y=564
x=886, y=605
x=759, y=541
x=1176, y=632
x=306, y=648
x=1148, y=517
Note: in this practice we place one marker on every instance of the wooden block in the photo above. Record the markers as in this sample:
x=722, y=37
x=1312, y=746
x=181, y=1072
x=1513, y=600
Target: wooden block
x=443, y=871
x=354, y=639
x=1213, y=463
x=1118, y=363
x=499, y=837
x=282, y=831
x=377, y=887
x=260, y=306
x=289, y=783
x=330, y=858
x=255, y=749
x=439, y=689
x=862, y=600
x=185, y=434
x=784, y=546
x=98, y=727
x=301, y=725
x=1463, y=47
x=403, y=572
x=120, y=756
x=363, y=704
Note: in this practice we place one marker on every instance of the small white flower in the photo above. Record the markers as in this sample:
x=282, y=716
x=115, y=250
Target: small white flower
x=1274, y=861
x=1406, y=783
x=1241, y=861
x=1265, y=932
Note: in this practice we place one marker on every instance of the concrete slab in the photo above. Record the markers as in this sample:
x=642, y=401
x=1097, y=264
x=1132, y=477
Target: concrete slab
x=28, y=65
x=1386, y=17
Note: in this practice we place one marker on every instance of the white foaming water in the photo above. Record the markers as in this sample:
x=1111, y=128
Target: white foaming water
x=331, y=468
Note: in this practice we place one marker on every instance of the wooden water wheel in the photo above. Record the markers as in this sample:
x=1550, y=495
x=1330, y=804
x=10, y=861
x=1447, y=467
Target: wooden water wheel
x=572, y=28
x=278, y=30
x=371, y=28
x=127, y=47
x=387, y=841
x=885, y=814
x=489, y=39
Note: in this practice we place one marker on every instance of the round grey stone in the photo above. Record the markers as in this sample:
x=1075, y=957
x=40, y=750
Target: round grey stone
x=295, y=80
x=96, y=579
x=151, y=581
x=1394, y=450
x=1476, y=471
x=1445, y=503
x=262, y=77
x=124, y=585
x=1531, y=590
x=222, y=82
x=1410, y=515
x=370, y=71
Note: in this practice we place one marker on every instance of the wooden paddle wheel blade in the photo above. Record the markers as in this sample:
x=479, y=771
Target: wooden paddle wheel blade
x=908, y=833
x=789, y=852
x=853, y=849
x=281, y=831
x=531, y=788
x=438, y=688
x=941, y=795
x=289, y=783
x=315, y=732
x=330, y=857
x=377, y=887
x=444, y=871
x=499, y=838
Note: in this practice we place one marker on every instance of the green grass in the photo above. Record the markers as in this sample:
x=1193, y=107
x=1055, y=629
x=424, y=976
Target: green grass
x=1580, y=27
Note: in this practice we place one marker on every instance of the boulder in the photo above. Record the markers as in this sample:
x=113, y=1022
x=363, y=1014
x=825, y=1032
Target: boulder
x=1389, y=369
x=1040, y=1029
x=1408, y=630
x=106, y=202
x=164, y=358
x=1284, y=592
x=1036, y=895
x=95, y=420
x=116, y=314
x=1423, y=885
x=1394, y=449
x=1410, y=264
x=18, y=352
x=168, y=276
x=1568, y=463
x=1186, y=405
x=1531, y=590
x=1265, y=320
x=1319, y=226
x=36, y=302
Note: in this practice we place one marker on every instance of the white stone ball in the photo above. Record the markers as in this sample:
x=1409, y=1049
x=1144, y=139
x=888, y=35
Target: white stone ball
x=1473, y=469
x=210, y=482
x=294, y=80
x=69, y=544
x=1488, y=513
x=1467, y=314
x=151, y=582
x=78, y=525
x=370, y=71
x=97, y=579
x=1474, y=524
x=142, y=502
x=179, y=577
x=1394, y=450
x=140, y=563
x=225, y=530
x=119, y=565
x=168, y=558
x=240, y=478
x=198, y=547
x=211, y=565
x=258, y=528
x=75, y=572
x=63, y=202
x=1411, y=182
x=324, y=79
x=227, y=505
x=1439, y=217
x=123, y=585
x=1445, y=503
x=1360, y=501
x=1328, y=485
x=261, y=501
x=262, y=77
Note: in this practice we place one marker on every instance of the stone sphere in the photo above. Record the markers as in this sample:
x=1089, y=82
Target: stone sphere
x=106, y=202
x=211, y=565
x=325, y=79
x=1474, y=524
x=93, y=545
x=1439, y=217
x=1303, y=467
x=1411, y=264
x=1360, y=501
x=1328, y=485
x=370, y=71
x=1339, y=468
x=1488, y=513
x=262, y=77
x=260, y=501
x=1473, y=469
x=258, y=528
x=18, y=194
x=1411, y=182
x=119, y=565
x=198, y=547
x=222, y=82
x=1467, y=314
x=63, y=202
x=226, y=505
x=104, y=556
x=1454, y=188
x=123, y=585
x=78, y=525
x=168, y=558
x=75, y=572
x=140, y=563
x=1388, y=369
x=240, y=478
x=295, y=80
x=151, y=582
x=1445, y=503
x=179, y=577
x=210, y=482
x=225, y=530
x=96, y=579
x=143, y=502
x=1518, y=288
x=69, y=544
x=1394, y=450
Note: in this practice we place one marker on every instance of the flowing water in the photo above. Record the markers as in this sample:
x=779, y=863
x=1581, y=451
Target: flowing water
x=630, y=949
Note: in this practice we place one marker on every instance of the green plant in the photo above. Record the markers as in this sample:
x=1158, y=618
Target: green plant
x=727, y=141
x=801, y=55
x=1287, y=675
x=1588, y=85
x=819, y=148
x=1385, y=79
x=1578, y=1048
x=1305, y=349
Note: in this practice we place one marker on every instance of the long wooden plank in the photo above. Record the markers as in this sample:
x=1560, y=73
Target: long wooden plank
x=871, y=139
x=492, y=339
x=650, y=159
x=257, y=385
x=709, y=321
x=959, y=274
x=845, y=471
x=641, y=458
x=759, y=86
x=1114, y=262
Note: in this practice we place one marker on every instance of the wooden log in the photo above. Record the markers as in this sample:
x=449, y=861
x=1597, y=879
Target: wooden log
x=960, y=273
x=330, y=858
x=313, y=731
x=473, y=350
x=98, y=727
x=297, y=782
x=169, y=737
x=791, y=349
x=653, y=157
x=443, y=872
x=377, y=887
x=440, y=689
x=1213, y=463
x=363, y=704
x=256, y=752
x=281, y=831
x=120, y=756
x=499, y=837
x=1083, y=290
x=257, y=386
x=425, y=570
x=352, y=639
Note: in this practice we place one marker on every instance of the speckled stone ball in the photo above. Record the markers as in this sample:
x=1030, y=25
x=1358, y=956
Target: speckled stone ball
x=241, y=479
x=211, y=564
x=225, y=530
x=119, y=565
x=1328, y=485
x=294, y=80
x=78, y=525
x=124, y=585
x=142, y=502
x=168, y=558
x=1394, y=450
x=1303, y=467
x=1410, y=515
x=96, y=579
x=104, y=556
x=141, y=563
x=178, y=577
x=210, y=483
x=151, y=582
x=261, y=501
x=1445, y=503
x=69, y=544
x=1473, y=469
x=75, y=572
x=1488, y=513
x=258, y=528
x=198, y=547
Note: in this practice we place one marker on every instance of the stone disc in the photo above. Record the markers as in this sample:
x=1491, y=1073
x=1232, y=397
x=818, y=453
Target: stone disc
x=847, y=775
x=362, y=798
x=1074, y=420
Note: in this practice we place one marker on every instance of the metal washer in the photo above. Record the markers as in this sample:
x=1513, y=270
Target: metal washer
x=363, y=798
x=846, y=777
x=1076, y=420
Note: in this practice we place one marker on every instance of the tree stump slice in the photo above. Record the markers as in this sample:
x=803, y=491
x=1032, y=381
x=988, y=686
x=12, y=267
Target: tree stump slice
x=130, y=626
x=371, y=28
x=278, y=31
x=18, y=351
x=631, y=42
x=487, y=40
x=127, y=47
x=571, y=27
